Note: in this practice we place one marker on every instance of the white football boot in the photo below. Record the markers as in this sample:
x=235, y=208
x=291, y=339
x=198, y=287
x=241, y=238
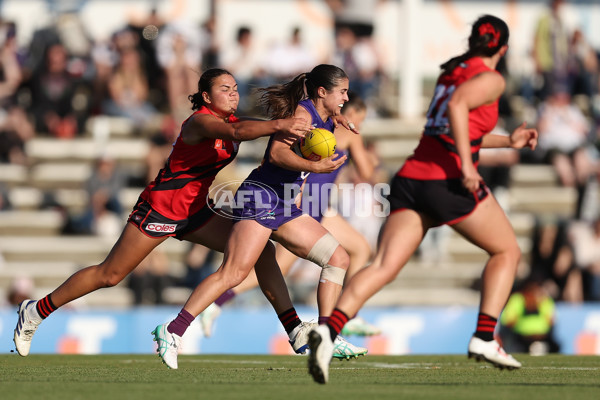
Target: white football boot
x=321, y=351
x=26, y=326
x=342, y=349
x=168, y=345
x=300, y=340
x=491, y=352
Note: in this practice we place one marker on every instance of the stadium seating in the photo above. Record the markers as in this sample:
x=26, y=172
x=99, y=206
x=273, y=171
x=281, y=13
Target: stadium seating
x=31, y=243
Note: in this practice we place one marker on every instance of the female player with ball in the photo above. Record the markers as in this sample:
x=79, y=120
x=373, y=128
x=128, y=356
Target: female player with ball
x=176, y=204
x=439, y=184
x=270, y=210
x=345, y=142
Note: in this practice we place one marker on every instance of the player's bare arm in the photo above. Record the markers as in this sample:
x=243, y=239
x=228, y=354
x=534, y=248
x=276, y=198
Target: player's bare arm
x=202, y=126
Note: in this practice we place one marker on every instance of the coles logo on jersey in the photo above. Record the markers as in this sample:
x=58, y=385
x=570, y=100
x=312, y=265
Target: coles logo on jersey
x=161, y=228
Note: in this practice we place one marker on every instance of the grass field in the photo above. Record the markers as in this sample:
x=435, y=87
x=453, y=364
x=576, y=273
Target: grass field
x=134, y=377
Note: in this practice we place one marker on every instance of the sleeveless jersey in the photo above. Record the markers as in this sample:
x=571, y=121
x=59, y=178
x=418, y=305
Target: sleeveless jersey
x=181, y=187
x=436, y=156
x=277, y=177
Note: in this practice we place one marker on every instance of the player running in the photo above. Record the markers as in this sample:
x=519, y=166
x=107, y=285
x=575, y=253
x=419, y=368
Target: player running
x=439, y=184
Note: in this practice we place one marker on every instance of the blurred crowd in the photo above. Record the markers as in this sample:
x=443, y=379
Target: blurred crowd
x=147, y=69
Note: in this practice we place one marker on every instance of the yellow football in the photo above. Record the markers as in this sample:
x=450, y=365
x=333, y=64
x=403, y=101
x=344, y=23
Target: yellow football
x=317, y=144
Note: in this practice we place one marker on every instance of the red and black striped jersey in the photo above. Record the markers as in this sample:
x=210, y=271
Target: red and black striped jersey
x=436, y=156
x=181, y=187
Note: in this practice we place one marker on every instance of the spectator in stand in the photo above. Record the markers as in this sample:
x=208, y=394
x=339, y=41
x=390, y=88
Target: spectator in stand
x=551, y=49
x=583, y=66
x=527, y=322
x=15, y=128
x=355, y=49
x=104, y=58
x=53, y=89
x=564, y=142
x=358, y=55
x=21, y=288
x=210, y=47
x=552, y=259
x=103, y=213
x=128, y=90
x=584, y=238
x=243, y=60
x=147, y=28
x=286, y=60
x=179, y=51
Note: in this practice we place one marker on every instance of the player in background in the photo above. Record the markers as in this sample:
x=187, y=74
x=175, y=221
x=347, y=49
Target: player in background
x=176, y=204
x=357, y=247
x=439, y=184
x=271, y=211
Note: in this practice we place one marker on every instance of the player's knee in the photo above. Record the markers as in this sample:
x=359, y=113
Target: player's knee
x=514, y=252
x=231, y=277
x=339, y=258
x=111, y=278
x=327, y=251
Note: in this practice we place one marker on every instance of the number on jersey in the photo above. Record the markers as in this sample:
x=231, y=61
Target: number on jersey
x=437, y=117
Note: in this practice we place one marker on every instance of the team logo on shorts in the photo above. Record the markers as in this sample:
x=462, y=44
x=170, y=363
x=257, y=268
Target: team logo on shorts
x=268, y=215
x=161, y=228
x=242, y=199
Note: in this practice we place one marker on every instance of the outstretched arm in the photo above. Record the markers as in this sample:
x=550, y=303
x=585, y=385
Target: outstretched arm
x=205, y=126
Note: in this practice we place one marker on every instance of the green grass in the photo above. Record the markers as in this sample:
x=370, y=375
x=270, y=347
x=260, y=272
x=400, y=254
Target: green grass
x=285, y=377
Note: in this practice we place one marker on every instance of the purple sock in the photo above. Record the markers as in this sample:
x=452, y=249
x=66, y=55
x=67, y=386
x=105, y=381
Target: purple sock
x=181, y=323
x=323, y=320
x=225, y=297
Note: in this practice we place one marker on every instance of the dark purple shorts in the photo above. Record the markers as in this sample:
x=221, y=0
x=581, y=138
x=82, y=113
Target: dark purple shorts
x=447, y=201
x=264, y=205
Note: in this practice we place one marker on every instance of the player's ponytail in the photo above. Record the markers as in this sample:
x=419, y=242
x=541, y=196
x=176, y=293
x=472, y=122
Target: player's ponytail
x=280, y=101
x=488, y=35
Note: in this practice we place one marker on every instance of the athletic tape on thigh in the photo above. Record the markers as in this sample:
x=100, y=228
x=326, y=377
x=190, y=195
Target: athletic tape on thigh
x=332, y=274
x=322, y=251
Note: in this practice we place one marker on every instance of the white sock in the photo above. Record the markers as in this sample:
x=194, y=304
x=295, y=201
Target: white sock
x=33, y=313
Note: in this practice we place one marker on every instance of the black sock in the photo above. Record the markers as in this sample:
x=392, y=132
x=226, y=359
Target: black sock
x=336, y=322
x=289, y=319
x=45, y=307
x=486, y=325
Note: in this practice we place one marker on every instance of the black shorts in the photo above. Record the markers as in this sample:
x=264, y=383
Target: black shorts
x=446, y=201
x=153, y=224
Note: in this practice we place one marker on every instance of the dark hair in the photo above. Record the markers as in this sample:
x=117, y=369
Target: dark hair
x=488, y=35
x=243, y=31
x=205, y=83
x=354, y=101
x=280, y=101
